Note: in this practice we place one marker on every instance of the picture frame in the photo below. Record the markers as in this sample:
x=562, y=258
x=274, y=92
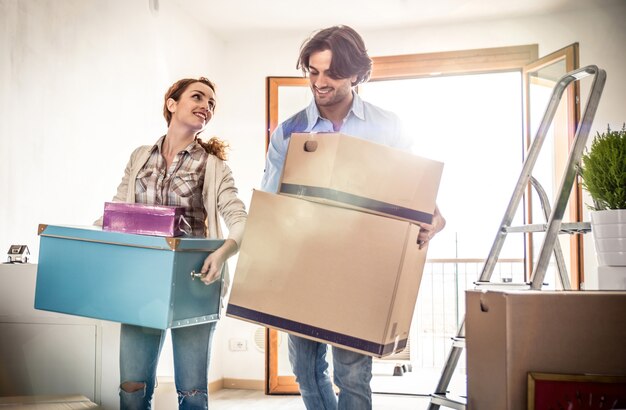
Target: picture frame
x=553, y=391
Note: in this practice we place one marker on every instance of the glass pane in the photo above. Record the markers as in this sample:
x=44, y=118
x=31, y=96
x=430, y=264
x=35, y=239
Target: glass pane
x=292, y=100
x=472, y=123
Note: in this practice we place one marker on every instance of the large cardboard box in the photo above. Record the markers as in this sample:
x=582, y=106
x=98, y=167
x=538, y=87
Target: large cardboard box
x=352, y=172
x=509, y=334
x=327, y=273
x=136, y=279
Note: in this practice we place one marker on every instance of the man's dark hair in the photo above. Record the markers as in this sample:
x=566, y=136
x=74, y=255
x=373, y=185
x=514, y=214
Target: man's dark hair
x=349, y=53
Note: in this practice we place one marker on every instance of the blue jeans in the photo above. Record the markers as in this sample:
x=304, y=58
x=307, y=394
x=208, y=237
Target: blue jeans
x=140, y=348
x=352, y=374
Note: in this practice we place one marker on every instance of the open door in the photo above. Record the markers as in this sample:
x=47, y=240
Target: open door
x=539, y=78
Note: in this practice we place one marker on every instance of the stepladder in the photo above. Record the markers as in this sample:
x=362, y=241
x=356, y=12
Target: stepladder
x=553, y=214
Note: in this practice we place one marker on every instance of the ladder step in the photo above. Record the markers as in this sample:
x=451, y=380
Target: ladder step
x=458, y=342
x=443, y=400
x=566, y=227
x=501, y=285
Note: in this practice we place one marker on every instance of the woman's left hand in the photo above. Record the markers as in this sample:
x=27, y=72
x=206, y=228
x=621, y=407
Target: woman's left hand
x=212, y=267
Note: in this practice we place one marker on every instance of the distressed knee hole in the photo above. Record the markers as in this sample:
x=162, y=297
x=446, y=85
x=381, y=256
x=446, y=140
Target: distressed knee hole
x=190, y=393
x=195, y=396
x=131, y=387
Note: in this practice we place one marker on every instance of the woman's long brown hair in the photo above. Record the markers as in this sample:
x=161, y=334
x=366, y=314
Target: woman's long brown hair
x=214, y=145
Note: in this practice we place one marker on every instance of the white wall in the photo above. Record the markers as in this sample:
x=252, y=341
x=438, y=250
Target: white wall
x=81, y=84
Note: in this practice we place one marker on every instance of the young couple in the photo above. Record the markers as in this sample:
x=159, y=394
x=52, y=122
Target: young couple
x=180, y=169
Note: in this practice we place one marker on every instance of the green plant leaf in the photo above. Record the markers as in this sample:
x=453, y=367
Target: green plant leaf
x=603, y=170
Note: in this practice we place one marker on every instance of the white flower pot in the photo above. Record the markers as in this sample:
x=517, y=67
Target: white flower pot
x=609, y=233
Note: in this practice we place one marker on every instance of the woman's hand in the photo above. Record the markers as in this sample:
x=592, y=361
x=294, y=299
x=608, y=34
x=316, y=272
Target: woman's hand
x=427, y=231
x=212, y=266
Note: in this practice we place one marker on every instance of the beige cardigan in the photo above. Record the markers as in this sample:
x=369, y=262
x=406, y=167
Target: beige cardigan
x=219, y=196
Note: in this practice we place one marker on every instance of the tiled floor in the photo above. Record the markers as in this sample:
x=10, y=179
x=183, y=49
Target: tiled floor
x=234, y=399
x=254, y=399
x=415, y=387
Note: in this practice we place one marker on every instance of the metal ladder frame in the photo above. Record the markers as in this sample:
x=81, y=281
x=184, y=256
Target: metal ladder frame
x=554, y=224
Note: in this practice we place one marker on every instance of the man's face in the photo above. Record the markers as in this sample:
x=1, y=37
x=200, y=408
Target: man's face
x=328, y=91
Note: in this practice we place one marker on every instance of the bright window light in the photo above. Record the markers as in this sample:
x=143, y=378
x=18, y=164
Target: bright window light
x=472, y=123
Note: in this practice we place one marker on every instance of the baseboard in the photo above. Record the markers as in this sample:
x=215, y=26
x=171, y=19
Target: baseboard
x=244, y=384
x=216, y=385
x=165, y=396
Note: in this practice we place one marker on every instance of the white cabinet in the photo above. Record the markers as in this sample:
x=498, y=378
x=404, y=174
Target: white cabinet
x=47, y=353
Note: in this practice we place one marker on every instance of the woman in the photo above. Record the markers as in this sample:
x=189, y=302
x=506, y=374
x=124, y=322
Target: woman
x=180, y=169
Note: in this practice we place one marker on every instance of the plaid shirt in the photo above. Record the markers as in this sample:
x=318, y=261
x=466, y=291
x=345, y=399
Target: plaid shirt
x=180, y=185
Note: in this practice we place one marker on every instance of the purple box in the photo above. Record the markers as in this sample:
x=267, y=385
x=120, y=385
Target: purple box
x=156, y=220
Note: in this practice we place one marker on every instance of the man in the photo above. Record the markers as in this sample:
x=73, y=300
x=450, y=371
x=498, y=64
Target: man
x=336, y=61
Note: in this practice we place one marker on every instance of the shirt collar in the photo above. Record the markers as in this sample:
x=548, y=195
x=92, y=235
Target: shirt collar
x=313, y=113
x=157, y=145
x=194, y=148
x=357, y=106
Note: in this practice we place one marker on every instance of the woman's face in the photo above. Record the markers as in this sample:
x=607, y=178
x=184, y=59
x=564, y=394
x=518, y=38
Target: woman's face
x=194, y=108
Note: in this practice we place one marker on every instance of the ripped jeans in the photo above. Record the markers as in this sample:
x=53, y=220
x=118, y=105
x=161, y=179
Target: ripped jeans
x=140, y=348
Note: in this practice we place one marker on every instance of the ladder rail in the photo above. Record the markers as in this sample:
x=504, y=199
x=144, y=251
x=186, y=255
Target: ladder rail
x=453, y=357
x=533, y=154
x=573, y=163
x=558, y=252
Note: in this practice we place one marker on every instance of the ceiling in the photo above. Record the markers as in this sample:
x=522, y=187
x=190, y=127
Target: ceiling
x=227, y=18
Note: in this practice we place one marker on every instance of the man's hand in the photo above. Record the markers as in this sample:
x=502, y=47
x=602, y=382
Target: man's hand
x=427, y=231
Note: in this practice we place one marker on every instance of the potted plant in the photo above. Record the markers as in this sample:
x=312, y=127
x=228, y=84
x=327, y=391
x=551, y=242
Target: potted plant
x=603, y=173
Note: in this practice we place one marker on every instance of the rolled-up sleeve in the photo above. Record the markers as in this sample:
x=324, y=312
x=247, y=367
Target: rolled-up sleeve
x=232, y=209
x=274, y=161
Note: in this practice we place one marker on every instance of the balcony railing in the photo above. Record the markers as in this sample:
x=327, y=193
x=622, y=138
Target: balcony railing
x=440, y=307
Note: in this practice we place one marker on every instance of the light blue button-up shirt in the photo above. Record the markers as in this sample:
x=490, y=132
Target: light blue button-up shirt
x=364, y=120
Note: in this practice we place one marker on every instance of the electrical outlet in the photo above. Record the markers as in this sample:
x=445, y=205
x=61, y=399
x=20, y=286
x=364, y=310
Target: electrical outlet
x=238, y=345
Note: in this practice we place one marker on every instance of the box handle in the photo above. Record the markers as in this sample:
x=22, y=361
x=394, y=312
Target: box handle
x=310, y=146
